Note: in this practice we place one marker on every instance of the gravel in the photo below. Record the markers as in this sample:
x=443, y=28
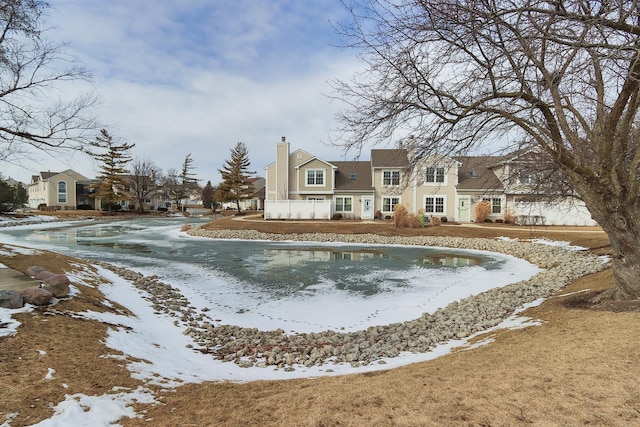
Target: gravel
x=250, y=347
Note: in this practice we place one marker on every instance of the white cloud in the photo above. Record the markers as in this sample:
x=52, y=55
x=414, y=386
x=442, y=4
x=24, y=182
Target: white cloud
x=183, y=77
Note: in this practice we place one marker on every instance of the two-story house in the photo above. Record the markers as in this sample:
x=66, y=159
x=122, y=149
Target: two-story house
x=299, y=185
x=60, y=190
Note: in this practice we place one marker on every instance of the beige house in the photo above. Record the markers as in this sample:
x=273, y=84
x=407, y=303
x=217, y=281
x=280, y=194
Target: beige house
x=60, y=190
x=299, y=185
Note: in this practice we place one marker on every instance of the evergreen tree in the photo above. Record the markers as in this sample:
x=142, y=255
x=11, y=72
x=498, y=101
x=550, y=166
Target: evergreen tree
x=188, y=181
x=207, y=195
x=235, y=185
x=113, y=181
x=11, y=196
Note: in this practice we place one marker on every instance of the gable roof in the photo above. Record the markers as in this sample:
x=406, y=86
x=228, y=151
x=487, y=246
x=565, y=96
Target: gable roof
x=475, y=173
x=389, y=158
x=362, y=171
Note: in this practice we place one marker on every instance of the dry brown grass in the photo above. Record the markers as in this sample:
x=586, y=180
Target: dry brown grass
x=581, y=366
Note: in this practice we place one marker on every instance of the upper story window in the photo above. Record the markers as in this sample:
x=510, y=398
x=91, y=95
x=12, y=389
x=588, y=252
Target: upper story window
x=435, y=174
x=390, y=177
x=315, y=177
x=62, y=192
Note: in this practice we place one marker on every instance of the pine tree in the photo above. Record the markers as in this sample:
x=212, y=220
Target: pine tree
x=235, y=185
x=112, y=186
x=207, y=196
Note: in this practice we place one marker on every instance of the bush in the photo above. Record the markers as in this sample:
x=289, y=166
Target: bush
x=400, y=216
x=84, y=207
x=435, y=221
x=510, y=217
x=336, y=216
x=483, y=210
x=444, y=219
x=161, y=209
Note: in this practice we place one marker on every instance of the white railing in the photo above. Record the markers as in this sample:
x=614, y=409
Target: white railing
x=297, y=209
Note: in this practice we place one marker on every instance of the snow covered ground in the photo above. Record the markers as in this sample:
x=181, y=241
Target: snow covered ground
x=163, y=357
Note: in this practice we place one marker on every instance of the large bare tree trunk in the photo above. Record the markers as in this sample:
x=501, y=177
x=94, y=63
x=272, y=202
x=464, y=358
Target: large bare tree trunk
x=621, y=222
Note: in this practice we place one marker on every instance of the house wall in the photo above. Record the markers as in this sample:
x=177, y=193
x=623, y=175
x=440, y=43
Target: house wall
x=47, y=191
x=304, y=190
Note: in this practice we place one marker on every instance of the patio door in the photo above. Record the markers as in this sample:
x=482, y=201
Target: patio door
x=367, y=207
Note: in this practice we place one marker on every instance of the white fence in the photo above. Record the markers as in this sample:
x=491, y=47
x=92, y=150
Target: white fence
x=297, y=209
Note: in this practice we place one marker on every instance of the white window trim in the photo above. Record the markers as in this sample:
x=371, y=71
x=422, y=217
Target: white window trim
x=392, y=171
x=435, y=175
x=491, y=200
x=444, y=205
x=335, y=204
x=390, y=197
x=62, y=193
x=315, y=171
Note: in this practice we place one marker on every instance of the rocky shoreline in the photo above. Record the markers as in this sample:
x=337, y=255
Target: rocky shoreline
x=250, y=347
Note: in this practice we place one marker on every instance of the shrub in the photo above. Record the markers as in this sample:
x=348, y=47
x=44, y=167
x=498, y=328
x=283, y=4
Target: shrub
x=483, y=210
x=510, y=217
x=444, y=219
x=161, y=209
x=435, y=221
x=84, y=207
x=400, y=215
x=336, y=216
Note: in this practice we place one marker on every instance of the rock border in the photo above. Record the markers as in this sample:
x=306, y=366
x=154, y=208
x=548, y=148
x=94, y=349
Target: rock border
x=249, y=347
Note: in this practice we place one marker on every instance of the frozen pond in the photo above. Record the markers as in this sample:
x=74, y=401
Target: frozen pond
x=299, y=287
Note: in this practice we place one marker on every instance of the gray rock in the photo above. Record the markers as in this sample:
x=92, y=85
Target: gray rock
x=11, y=299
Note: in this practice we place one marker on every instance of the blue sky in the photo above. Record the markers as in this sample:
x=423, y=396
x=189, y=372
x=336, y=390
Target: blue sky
x=196, y=77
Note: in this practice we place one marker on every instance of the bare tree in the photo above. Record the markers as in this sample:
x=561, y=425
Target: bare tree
x=564, y=74
x=178, y=186
x=143, y=181
x=31, y=70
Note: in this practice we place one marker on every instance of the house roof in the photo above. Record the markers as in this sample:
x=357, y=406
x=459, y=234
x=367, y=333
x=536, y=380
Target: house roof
x=476, y=173
x=389, y=158
x=362, y=171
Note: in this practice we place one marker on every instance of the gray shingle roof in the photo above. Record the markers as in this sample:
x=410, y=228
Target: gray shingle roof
x=362, y=171
x=389, y=158
x=475, y=173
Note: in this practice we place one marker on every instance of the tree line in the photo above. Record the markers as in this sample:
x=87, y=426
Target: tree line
x=123, y=178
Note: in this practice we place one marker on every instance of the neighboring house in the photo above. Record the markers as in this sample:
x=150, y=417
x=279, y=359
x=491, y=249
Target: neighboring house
x=256, y=202
x=61, y=190
x=300, y=185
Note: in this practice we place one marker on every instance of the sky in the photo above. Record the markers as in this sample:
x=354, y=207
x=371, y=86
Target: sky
x=196, y=77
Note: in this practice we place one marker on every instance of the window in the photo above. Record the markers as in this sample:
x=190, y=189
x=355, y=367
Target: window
x=496, y=205
x=389, y=203
x=391, y=178
x=433, y=205
x=434, y=174
x=344, y=204
x=62, y=192
x=315, y=198
x=352, y=176
x=315, y=177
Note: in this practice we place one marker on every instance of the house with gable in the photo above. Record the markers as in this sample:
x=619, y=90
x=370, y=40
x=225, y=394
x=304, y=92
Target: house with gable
x=61, y=190
x=299, y=185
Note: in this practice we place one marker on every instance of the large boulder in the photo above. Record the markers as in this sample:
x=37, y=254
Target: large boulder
x=57, y=284
x=11, y=299
x=36, y=296
x=59, y=289
x=34, y=269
